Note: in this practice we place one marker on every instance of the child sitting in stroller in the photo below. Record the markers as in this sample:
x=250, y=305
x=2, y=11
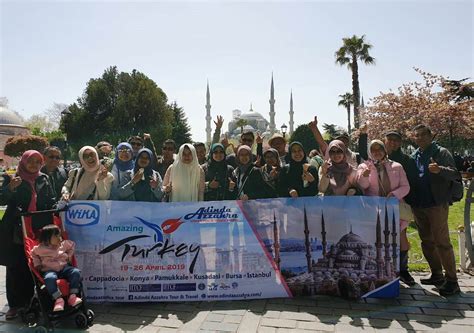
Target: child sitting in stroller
x=52, y=257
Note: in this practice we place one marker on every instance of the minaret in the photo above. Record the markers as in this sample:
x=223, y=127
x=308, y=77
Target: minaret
x=387, y=258
x=394, y=243
x=272, y=108
x=323, y=235
x=208, y=117
x=276, y=241
x=291, y=114
x=307, y=244
x=378, y=247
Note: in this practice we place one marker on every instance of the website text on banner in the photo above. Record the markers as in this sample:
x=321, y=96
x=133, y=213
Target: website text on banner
x=137, y=251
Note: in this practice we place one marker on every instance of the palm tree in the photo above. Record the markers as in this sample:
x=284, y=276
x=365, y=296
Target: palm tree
x=354, y=48
x=241, y=123
x=346, y=101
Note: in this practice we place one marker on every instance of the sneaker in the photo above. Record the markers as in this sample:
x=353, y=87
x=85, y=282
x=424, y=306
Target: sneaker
x=73, y=300
x=406, y=278
x=58, y=305
x=12, y=313
x=436, y=280
x=449, y=288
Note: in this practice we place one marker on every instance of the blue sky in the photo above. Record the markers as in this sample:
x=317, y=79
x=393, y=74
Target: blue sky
x=49, y=50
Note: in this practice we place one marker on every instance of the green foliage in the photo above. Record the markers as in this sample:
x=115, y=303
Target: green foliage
x=181, y=130
x=17, y=145
x=116, y=106
x=304, y=135
x=241, y=123
x=331, y=131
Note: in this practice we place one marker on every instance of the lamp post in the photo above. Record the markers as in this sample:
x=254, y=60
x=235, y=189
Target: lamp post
x=64, y=114
x=283, y=129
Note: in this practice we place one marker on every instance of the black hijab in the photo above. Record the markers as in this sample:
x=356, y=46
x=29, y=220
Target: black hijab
x=143, y=190
x=216, y=170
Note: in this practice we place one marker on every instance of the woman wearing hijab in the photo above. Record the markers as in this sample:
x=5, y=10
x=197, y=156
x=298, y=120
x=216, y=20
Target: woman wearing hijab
x=271, y=168
x=298, y=178
x=142, y=183
x=184, y=180
x=248, y=178
x=219, y=183
x=382, y=177
x=121, y=168
x=29, y=191
x=91, y=181
x=336, y=175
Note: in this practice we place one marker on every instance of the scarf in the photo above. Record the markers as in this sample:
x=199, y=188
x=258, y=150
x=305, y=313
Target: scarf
x=85, y=186
x=276, y=155
x=29, y=177
x=383, y=180
x=143, y=190
x=185, y=178
x=123, y=165
x=295, y=169
x=216, y=170
x=338, y=172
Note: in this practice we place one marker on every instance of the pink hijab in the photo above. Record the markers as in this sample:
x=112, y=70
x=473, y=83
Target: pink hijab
x=23, y=173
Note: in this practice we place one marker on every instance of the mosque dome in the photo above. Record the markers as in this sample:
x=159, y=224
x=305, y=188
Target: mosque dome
x=351, y=238
x=8, y=117
x=251, y=115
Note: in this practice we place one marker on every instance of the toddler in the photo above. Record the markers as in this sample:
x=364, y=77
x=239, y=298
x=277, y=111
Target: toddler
x=52, y=257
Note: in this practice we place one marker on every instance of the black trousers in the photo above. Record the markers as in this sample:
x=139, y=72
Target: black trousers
x=19, y=282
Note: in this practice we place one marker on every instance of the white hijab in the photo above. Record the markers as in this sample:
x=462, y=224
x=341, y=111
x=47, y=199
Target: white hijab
x=185, y=178
x=86, y=186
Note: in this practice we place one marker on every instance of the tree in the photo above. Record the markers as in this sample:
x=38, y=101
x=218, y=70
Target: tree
x=181, y=130
x=416, y=103
x=353, y=49
x=331, y=131
x=241, y=123
x=53, y=114
x=39, y=124
x=17, y=145
x=304, y=135
x=118, y=105
x=346, y=101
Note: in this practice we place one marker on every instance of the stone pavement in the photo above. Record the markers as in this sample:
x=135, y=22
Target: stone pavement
x=417, y=309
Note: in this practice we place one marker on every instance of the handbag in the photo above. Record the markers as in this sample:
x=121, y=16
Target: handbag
x=405, y=211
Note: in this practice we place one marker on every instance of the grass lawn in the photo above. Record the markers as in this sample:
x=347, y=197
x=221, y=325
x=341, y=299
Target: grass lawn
x=455, y=220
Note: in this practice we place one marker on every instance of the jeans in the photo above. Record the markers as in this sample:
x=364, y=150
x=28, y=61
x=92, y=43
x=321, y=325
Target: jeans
x=70, y=273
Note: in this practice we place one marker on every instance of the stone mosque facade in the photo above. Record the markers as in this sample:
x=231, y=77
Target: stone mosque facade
x=255, y=121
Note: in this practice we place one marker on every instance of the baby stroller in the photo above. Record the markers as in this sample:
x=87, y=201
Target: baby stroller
x=39, y=313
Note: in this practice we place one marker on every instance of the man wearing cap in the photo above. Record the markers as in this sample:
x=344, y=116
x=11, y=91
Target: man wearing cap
x=278, y=142
x=393, y=145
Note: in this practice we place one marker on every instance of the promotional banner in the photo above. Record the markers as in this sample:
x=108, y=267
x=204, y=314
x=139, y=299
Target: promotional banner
x=148, y=252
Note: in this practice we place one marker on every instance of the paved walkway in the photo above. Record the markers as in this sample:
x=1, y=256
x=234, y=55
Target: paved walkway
x=417, y=309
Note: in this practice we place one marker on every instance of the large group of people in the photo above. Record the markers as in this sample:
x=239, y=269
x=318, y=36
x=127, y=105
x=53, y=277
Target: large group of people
x=137, y=172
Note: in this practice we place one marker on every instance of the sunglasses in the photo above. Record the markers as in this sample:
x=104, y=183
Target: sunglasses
x=168, y=148
x=136, y=143
x=336, y=152
x=87, y=156
x=54, y=157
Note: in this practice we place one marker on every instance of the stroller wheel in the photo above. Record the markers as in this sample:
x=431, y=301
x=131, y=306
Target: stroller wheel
x=81, y=320
x=41, y=329
x=31, y=318
x=90, y=317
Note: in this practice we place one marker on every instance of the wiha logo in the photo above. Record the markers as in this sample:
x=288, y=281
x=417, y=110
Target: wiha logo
x=83, y=214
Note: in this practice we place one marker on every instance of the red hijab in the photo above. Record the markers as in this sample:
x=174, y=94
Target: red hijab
x=23, y=173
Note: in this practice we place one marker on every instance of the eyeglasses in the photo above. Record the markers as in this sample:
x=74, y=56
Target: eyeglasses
x=87, y=156
x=124, y=151
x=218, y=152
x=136, y=143
x=54, y=157
x=336, y=151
